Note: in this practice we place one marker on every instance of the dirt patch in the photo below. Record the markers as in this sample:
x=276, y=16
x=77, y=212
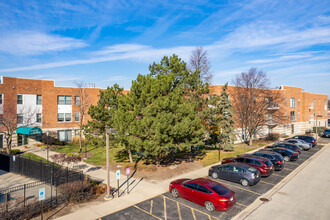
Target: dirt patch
x=156, y=173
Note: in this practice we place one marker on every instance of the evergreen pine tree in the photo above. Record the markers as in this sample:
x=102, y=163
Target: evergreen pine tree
x=226, y=121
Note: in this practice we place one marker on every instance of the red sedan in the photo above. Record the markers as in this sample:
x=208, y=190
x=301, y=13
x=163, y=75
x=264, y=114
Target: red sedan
x=204, y=192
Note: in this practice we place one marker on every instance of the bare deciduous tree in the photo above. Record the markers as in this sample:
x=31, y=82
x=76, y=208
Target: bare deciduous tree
x=9, y=121
x=199, y=61
x=256, y=106
x=84, y=102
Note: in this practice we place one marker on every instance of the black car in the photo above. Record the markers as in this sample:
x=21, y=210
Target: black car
x=286, y=153
x=306, y=138
x=326, y=133
x=236, y=172
x=276, y=158
x=292, y=147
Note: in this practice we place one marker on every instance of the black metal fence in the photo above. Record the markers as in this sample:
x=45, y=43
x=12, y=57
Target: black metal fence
x=39, y=170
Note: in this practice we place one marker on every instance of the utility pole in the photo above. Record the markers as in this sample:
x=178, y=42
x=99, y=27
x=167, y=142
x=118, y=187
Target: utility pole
x=317, y=133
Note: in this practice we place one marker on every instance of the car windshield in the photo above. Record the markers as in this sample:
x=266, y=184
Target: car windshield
x=327, y=130
x=268, y=163
x=251, y=169
x=220, y=189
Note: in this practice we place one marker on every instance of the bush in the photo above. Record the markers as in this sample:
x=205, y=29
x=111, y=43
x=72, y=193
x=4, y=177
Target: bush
x=16, y=151
x=272, y=137
x=76, y=192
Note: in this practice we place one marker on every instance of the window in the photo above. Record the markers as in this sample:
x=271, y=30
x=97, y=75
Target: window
x=77, y=116
x=203, y=189
x=247, y=160
x=65, y=136
x=191, y=185
x=67, y=116
x=319, y=112
x=298, y=101
x=19, y=99
x=60, y=117
x=240, y=160
x=238, y=169
x=77, y=100
x=292, y=116
x=22, y=139
x=257, y=163
x=39, y=99
x=38, y=118
x=68, y=100
x=298, y=114
x=0, y=99
x=292, y=102
x=64, y=100
x=227, y=168
x=19, y=119
x=319, y=102
x=64, y=117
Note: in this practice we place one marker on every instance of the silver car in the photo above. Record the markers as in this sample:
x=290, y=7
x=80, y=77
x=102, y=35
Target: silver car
x=303, y=144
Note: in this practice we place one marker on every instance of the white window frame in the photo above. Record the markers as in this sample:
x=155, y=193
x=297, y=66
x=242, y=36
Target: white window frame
x=292, y=102
x=66, y=136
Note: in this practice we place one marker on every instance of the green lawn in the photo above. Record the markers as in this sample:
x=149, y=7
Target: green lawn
x=99, y=153
x=212, y=155
x=34, y=157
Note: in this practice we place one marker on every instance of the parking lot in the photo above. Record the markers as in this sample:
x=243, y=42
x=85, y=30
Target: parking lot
x=166, y=207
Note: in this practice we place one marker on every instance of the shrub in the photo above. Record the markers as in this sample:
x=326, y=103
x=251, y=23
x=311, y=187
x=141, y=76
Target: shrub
x=76, y=192
x=16, y=151
x=272, y=137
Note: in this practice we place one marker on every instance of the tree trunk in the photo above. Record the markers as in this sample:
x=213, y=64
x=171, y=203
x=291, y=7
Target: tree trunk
x=250, y=140
x=80, y=144
x=130, y=155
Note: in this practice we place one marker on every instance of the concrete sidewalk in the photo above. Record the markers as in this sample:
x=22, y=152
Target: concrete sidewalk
x=305, y=196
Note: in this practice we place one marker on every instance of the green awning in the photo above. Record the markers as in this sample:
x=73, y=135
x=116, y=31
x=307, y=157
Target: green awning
x=29, y=130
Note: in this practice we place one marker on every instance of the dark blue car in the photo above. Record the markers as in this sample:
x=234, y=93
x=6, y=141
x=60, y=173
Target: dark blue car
x=236, y=172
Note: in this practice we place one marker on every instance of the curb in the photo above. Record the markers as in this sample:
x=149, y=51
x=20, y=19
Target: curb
x=257, y=203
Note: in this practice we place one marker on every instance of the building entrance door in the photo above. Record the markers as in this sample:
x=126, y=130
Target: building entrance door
x=292, y=128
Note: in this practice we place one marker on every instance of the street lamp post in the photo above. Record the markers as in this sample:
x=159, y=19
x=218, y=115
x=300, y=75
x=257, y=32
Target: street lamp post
x=47, y=145
x=85, y=147
x=107, y=132
x=220, y=142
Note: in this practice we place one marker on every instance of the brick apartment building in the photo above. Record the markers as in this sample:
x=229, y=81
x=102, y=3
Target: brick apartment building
x=303, y=109
x=41, y=104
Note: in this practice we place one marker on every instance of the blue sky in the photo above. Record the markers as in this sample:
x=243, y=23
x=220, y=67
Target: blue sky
x=107, y=42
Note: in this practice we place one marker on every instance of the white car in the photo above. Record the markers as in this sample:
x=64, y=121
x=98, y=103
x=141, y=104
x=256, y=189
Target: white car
x=303, y=144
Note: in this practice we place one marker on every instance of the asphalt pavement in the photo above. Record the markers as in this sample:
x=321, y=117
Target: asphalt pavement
x=164, y=206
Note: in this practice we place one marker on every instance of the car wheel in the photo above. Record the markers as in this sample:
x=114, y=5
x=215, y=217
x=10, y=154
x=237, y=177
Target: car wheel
x=209, y=206
x=214, y=175
x=175, y=193
x=244, y=182
x=286, y=158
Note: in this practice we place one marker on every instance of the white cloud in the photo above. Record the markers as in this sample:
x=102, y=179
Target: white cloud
x=32, y=43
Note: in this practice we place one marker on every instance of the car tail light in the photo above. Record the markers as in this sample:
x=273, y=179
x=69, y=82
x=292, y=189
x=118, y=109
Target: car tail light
x=279, y=161
x=295, y=154
x=224, y=200
x=313, y=142
x=297, y=149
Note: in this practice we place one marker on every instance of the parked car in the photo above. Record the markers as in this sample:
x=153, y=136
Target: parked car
x=205, y=192
x=301, y=143
x=306, y=138
x=292, y=147
x=326, y=133
x=236, y=172
x=264, y=165
x=276, y=158
x=286, y=153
